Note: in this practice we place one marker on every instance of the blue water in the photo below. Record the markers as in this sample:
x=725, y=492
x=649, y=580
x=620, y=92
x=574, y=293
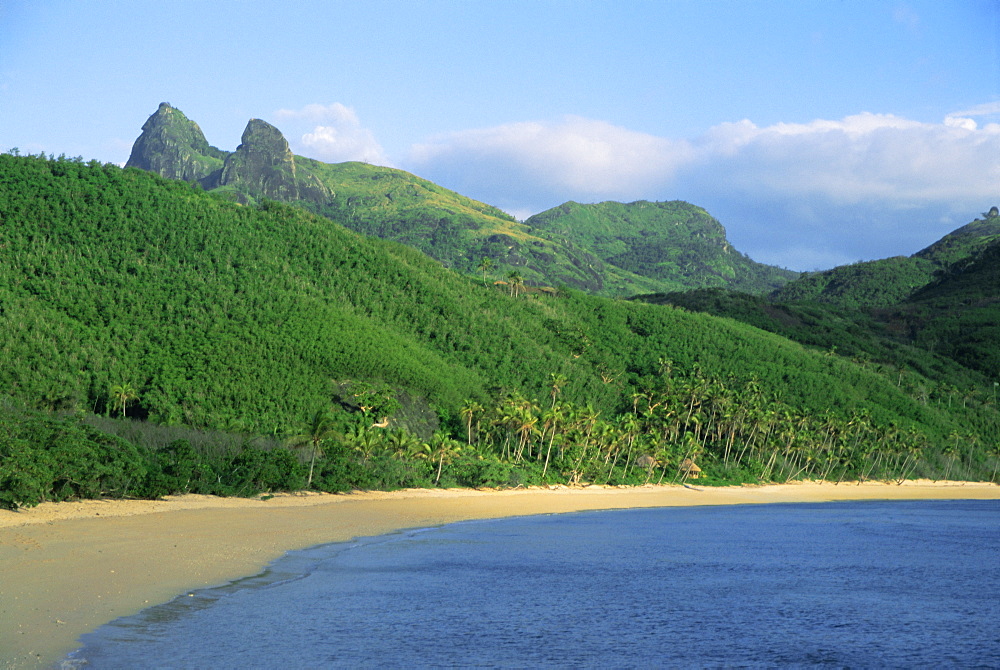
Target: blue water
x=861, y=585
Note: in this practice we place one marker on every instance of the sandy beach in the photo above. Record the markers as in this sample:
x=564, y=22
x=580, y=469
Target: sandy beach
x=68, y=568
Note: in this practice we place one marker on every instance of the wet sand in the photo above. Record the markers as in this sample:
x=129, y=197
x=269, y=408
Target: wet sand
x=68, y=568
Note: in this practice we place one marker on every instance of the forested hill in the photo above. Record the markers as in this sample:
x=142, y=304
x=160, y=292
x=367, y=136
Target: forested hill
x=676, y=243
x=887, y=282
x=936, y=310
x=123, y=293
x=671, y=250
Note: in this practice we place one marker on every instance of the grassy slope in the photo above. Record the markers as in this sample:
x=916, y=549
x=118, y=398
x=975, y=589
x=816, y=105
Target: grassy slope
x=958, y=314
x=936, y=313
x=675, y=243
x=222, y=314
x=458, y=231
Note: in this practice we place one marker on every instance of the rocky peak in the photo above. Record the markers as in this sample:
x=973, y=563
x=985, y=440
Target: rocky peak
x=264, y=165
x=173, y=146
x=260, y=137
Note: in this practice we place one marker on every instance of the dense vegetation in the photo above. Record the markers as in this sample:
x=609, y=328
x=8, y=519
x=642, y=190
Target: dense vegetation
x=299, y=353
x=681, y=245
x=676, y=243
x=937, y=312
x=958, y=314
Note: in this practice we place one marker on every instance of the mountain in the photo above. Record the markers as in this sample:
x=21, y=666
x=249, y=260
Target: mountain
x=263, y=166
x=886, y=282
x=173, y=146
x=675, y=243
x=937, y=311
x=671, y=250
x=958, y=313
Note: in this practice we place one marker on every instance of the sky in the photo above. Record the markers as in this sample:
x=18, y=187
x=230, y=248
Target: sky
x=818, y=132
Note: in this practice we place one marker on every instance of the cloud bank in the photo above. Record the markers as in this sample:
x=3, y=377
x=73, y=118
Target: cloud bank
x=801, y=195
x=331, y=133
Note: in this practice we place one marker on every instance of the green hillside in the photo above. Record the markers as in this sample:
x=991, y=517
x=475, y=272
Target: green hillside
x=890, y=281
x=937, y=312
x=676, y=243
x=958, y=314
x=126, y=295
x=455, y=230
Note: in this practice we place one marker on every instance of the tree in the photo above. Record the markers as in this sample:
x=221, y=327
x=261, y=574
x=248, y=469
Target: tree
x=558, y=382
x=486, y=265
x=122, y=393
x=516, y=282
x=321, y=427
x=440, y=448
x=468, y=413
x=553, y=420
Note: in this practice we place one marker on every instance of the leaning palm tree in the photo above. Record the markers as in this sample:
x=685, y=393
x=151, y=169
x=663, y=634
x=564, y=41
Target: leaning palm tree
x=321, y=427
x=440, y=448
x=558, y=382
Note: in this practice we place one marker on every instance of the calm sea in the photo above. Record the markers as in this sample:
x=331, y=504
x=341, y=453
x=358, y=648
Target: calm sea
x=860, y=585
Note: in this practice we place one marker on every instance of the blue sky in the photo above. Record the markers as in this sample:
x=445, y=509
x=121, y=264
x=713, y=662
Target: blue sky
x=818, y=132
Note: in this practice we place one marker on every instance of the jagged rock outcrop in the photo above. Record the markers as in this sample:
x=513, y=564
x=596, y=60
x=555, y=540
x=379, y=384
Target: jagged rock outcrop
x=173, y=146
x=264, y=165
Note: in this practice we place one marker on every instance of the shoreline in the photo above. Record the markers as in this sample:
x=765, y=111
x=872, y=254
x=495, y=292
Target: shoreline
x=69, y=568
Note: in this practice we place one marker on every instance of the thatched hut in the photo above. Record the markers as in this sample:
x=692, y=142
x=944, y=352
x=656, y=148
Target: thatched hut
x=690, y=469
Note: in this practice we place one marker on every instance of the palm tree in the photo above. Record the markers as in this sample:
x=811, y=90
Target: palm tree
x=401, y=442
x=486, y=265
x=913, y=447
x=365, y=441
x=552, y=421
x=516, y=282
x=952, y=451
x=468, y=413
x=558, y=381
x=996, y=466
x=122, y=393
x=440, y=448
x=321, y=427
x=526, y=425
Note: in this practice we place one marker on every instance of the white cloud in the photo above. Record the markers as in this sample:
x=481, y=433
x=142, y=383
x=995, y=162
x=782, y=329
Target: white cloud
x=962, y=119
x=575, y=155
x=985, y=109
x=844, y=186
x=867, y=157
x=331, y=133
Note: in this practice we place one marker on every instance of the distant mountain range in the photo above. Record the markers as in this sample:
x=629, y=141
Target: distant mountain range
x=607, y=248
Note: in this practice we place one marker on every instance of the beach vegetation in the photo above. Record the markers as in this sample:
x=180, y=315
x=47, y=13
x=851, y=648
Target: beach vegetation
x=158, y=339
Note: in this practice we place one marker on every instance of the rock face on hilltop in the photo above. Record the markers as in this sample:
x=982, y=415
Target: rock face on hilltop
x=264, y=165
x=173, y=146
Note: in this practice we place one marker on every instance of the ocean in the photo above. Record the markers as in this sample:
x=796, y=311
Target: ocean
x=842, y=585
